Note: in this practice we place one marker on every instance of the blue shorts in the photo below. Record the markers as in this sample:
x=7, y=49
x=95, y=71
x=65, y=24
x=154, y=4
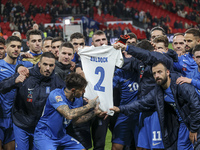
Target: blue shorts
x=41, y=141
x=23, y=138
x=183, y=138
x=150, y=136
x=6, y=130
x=125, y=129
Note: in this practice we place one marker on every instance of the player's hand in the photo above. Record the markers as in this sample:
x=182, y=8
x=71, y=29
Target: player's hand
x=99, y=112
x=92, y=103
x=182, y=80
x=126, y=54
x=119, y=45
x=160, y=51
x=27, y=55
x=20, y=78
x=23, y=71
x=72, y=65
x=115, y=109
x=193, y=137
x=153, y=44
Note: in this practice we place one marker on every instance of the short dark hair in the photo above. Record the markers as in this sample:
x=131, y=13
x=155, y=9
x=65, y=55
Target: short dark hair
x=77, y=35
x=163, y=39
x=57, y=39
x=74, y=80
x=47, y=39
x=196, y=48
x=33, y=32
x=194, y=32
x=158, y=28
x=48, y=55
x=98, y=32
x=2, y=40
x=177, y=34
x=66, y=44
x=145, y=44
x=132, y=35
x=159, y=62
x=12, y=38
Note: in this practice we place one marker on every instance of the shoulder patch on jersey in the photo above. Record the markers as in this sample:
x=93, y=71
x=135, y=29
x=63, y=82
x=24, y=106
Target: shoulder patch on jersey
x=58, y=98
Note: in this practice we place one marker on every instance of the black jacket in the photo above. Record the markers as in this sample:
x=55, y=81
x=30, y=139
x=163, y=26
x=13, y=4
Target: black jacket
x=142, y=61
x=63, y=70
x=187, y=103
x=31, y=96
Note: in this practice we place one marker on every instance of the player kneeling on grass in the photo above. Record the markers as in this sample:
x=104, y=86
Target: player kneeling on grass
x=62, y=107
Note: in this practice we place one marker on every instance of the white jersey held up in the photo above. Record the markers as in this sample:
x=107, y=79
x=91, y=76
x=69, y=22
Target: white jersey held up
x=98, y=66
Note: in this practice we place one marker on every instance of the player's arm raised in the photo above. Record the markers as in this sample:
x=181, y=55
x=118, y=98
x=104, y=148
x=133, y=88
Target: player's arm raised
x=76, y=112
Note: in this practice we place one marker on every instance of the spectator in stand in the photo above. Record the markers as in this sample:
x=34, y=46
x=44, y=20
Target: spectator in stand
x=182, y=13
x=36, y=27
x=169, y=29
x=12, y=26
x=18, y=34
x=155, y=19
x=167, y=19
x=141, y=16
x=40, y=9
x=5, y=36
x=126, y=31
x=21, y=28
x=180, y=25
x=47, y=9
x=173, y=10
x=148, y=14
x=176, y=25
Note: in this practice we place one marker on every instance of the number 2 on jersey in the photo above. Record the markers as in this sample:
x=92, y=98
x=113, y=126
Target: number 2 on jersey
x=98, y=86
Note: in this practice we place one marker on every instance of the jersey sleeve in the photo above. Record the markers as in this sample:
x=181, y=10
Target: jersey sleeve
x=27, y=64
x=120, y=61
x=56, y=100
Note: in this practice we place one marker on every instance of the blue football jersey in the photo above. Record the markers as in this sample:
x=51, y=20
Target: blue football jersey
x=127, y=82
x=185, y=64
x=52, y=123
x=6, y=100
x=195, y=76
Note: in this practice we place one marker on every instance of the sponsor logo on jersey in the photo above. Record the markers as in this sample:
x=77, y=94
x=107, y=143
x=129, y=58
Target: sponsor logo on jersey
x=72, y=139
x=184, y=67
x=99, y=59
x=154, y=144
x=3, y=69
x=30, y=100
x=47, y=90
x=127, y=80
x=30, y=96
x=58, y=99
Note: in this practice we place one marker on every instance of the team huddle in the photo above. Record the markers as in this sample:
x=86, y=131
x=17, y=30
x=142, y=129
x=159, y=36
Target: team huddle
x=60, y=95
